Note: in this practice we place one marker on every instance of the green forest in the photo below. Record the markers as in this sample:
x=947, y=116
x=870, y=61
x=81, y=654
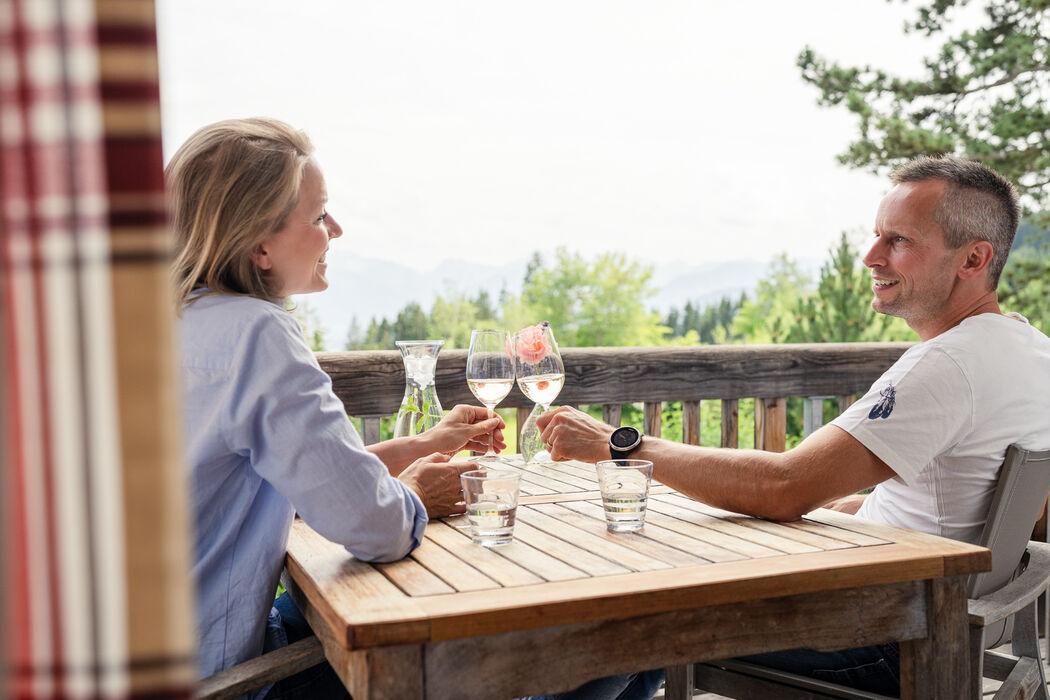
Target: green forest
x=604, y=302
x=982, y=95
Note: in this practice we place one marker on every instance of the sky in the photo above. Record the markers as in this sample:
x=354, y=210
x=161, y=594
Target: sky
x=484, y=130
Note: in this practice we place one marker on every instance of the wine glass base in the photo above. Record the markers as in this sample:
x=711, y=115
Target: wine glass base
x=490, y=460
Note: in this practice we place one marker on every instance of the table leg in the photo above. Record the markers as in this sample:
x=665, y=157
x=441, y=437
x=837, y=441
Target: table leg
x=678, y=682
x=369, y=674
x=938, y=668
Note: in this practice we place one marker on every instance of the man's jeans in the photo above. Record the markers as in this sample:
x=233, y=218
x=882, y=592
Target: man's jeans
x=318, y=682
x=630, y=686
x=876, y=669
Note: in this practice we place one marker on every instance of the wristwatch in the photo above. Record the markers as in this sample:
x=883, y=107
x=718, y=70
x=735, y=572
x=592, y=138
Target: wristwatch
x=624, y=441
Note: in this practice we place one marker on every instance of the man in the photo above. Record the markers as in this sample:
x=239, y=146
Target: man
x=930, y=434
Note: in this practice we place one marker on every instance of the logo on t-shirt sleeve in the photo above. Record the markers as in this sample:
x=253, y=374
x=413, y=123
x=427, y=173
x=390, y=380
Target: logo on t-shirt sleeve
x=884, y=407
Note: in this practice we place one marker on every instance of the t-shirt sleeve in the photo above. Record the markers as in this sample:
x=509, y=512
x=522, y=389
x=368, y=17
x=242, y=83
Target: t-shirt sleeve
x=295, y=431
x=919, y=409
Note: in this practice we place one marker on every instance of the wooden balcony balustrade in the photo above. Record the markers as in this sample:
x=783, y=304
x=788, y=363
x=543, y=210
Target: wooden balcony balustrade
x=372, y=383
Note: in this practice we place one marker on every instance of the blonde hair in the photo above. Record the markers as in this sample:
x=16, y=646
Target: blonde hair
x=232, y=184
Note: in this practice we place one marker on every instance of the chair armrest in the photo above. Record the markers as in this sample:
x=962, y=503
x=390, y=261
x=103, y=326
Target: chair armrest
x=255, y=673
x=1018, y=593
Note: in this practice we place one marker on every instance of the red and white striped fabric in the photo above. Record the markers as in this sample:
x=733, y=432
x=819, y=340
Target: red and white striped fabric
x=70, y=572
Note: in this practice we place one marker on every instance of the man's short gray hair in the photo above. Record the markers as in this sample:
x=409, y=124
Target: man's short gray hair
x=979, y=204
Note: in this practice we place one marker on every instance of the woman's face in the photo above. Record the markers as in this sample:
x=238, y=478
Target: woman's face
x=295, y=255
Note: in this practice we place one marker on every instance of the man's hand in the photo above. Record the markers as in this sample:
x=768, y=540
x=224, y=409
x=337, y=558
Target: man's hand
x=572, y=434
x=435, y=479
x=467, y=428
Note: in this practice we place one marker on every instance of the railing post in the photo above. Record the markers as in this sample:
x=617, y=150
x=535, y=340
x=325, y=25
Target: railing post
x=845, y=401
x=812, y=414
x=691, y=422
x=771, y=424
x=730, y=423
x=652, y=418
x=370, y=429
x=612, y=414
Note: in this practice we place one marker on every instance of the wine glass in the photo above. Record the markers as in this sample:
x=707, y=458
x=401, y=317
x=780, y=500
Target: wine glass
x=490, y=372
x=541, y=374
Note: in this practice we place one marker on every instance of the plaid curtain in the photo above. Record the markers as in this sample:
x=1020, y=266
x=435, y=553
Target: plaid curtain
x=96, y=597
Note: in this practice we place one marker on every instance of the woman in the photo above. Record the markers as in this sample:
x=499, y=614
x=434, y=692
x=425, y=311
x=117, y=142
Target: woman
x=264, y=435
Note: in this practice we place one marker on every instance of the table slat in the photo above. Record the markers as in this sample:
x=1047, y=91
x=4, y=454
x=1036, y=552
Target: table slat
x=496, y=567
x=650, y=540
x=600, y=542
x=450, y=568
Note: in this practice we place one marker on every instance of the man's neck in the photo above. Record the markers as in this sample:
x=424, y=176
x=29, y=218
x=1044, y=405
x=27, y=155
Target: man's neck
x=986, y=303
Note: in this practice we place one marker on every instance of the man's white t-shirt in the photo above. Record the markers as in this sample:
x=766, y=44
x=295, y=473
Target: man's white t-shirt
x=942, y=417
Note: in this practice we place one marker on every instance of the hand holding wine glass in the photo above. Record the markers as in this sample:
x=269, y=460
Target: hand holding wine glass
x=541, y=374
x=490, y=371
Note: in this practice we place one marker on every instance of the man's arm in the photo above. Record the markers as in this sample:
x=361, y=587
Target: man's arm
x=827, y=465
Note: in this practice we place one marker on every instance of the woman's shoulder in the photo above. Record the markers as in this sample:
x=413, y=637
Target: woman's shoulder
x=235, y=310
x=227, y=320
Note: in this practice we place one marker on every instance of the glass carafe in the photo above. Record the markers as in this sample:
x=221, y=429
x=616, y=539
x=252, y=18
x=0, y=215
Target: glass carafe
x=420, y=409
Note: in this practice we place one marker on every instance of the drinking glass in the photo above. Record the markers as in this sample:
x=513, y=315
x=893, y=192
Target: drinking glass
x=490, y=372
x=491, y=498
x=541, y=374
x=624, y=484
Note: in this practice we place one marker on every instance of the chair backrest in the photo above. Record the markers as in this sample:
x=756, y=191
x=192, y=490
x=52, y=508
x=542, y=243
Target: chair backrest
x=1023, y=485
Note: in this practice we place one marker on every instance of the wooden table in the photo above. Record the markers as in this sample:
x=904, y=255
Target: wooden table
x=567, y=601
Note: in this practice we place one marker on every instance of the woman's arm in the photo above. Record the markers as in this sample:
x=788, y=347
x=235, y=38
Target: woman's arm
x=463, y=428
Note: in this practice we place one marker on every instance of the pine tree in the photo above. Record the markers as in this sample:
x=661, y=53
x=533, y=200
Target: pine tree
x=983, y=96
x=840, y=311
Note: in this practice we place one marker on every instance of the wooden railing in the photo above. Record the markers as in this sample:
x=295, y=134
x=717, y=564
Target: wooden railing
x=371, y=383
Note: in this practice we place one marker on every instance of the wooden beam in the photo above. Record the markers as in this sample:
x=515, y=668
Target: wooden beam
x=691, y=422
x=373, y=382
x=771, y=424
x=730, y=423
x=653, y=417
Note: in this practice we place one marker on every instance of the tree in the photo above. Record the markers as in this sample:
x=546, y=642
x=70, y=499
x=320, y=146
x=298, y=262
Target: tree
x=453, y=316
x=411, y=323
x=355, y=337
x=588, y=303
x=1025, y=285
x=309, y=321
x=769, y=317
x=483, y=305
x=983, y=96
x=379, y=336
x=711, y=324
x=840, y=311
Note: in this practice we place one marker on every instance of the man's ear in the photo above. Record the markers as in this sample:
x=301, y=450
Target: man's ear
x=978, y=257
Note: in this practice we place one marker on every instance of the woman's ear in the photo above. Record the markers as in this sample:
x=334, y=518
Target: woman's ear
x=261, y=257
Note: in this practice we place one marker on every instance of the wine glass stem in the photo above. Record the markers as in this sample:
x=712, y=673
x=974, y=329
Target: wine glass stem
x=492, y=450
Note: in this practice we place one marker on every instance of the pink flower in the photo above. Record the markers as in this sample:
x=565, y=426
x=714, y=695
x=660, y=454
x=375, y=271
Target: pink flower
x=532, y=344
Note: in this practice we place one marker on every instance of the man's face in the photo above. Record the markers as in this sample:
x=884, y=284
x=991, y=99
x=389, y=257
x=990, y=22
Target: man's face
x=912, y=267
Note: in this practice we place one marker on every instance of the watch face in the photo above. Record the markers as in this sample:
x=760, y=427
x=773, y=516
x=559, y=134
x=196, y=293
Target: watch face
x=624, y=437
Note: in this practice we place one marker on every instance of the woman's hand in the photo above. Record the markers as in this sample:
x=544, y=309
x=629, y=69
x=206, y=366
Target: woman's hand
x=466, y=428
x=572, y=434
x=435, y=479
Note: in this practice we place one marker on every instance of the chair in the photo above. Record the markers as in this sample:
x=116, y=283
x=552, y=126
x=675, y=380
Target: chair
x=1002, y=598
x=253, y=674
